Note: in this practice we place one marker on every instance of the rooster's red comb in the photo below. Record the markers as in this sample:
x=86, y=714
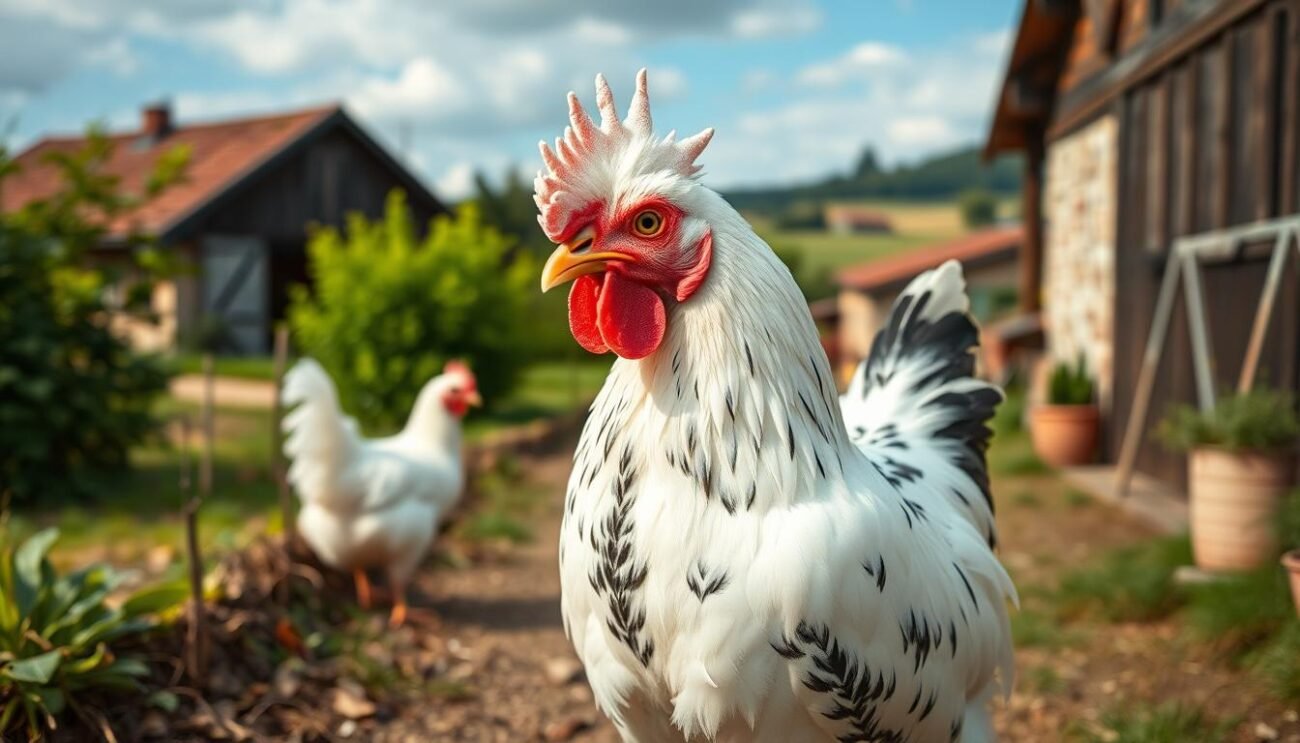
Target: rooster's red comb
x=580, y=167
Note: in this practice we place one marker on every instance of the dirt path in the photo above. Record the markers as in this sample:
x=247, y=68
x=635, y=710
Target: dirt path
x=501, y=619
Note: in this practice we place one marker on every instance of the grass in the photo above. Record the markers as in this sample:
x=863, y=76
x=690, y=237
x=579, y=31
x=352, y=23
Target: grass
x=140, y=509
x=242, y=367
x=506, y=504
x=1133, y=584
x=1166, y=723
x=546, y=389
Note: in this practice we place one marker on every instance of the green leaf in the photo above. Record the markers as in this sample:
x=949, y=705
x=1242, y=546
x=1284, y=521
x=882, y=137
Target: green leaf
x=87, y=664
x=28, y=559
x=164, y=700
x=38, y=669
x=154, y=599
x=52, y=699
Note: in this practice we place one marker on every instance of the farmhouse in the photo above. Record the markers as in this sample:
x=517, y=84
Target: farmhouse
x=853, y=219
x=1144, y=122
x=867, y=291
x=239, y=218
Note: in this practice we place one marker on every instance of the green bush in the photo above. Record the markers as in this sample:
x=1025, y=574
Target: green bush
x=56, y=633
x=73, y=396
x=1260, y=420
x=389, y=309
x=1070, y=384
x=979, y=208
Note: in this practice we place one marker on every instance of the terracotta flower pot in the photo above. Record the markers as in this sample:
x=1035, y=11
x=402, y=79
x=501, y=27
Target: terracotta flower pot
x=1065, y=435
x=1291, y=561
x=1234, y=500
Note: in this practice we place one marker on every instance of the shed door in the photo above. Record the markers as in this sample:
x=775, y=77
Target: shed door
x=236, y=290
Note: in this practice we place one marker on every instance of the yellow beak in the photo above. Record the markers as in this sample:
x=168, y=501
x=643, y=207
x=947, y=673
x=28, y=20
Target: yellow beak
x=574, y=258
x=473, y=399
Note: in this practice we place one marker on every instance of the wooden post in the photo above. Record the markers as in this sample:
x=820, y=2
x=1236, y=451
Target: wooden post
x=196, y=636
x=209, y=427
x=1137, y=417
x=278, y=469
x=1202, y=348
x=1250, y=365
x=1031, y=251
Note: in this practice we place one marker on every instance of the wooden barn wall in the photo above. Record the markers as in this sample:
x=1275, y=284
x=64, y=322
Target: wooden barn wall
x=334, y=176
x=1208, y=142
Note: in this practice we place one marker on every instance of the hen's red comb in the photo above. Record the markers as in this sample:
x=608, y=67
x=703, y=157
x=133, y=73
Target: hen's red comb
x=574, y=168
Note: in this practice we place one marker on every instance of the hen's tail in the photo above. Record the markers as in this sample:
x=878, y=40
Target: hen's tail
x=320, y=442
x=914, y=406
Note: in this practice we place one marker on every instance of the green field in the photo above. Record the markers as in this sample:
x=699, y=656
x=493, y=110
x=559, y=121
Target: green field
x=915, y=225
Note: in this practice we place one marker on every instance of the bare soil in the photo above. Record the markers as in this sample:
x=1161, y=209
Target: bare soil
x=485, y=657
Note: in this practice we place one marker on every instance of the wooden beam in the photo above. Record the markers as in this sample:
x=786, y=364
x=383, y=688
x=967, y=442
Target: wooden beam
x=1224, y=131
x=1031, y=251
x=1290, y=89
x=1173, y=41
x=1027, y=98
x=1056, y=7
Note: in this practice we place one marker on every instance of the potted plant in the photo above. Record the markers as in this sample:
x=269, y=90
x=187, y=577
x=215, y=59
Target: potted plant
x=1241, y=464
x=1064, y=430
x=1290, y=535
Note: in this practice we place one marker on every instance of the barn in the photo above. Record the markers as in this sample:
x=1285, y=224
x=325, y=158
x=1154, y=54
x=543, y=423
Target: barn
x=239, y=219
x=1150, y=127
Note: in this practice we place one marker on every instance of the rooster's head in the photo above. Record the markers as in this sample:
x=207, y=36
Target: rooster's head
x=625, y=210
x=457, y=388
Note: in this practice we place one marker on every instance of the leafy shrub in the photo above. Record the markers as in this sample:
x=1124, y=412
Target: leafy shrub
x=56, y=632
x=73, y=396
x=390, y=310
x=1260, y=420
x=979, y=208
x=1070, y=384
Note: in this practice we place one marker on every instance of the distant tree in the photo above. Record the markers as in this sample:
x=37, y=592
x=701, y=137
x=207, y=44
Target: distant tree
x=868, y=163
x=979, y=208
x=510, y=210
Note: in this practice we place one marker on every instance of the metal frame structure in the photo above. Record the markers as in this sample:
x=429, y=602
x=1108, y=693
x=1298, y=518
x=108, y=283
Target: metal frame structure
x=1185, y=258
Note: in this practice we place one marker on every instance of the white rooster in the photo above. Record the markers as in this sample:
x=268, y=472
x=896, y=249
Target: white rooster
x=741, y=559
x=374, y=503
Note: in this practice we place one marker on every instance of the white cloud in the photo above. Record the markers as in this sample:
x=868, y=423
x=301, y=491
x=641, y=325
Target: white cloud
x=853, y=65
x=906, y=105
x=456, y=182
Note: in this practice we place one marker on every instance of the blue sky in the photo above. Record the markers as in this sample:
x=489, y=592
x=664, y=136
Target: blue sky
x=795, y=88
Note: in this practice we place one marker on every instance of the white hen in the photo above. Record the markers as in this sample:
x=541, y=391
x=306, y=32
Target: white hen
x=374, y=503
x=737, y=563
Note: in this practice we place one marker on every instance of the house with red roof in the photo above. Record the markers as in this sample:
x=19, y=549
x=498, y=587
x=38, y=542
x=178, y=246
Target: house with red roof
x=239, y=218
x=989, y=259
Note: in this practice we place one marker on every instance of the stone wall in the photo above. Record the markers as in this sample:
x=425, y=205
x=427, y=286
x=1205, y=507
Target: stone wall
x=1079, y=206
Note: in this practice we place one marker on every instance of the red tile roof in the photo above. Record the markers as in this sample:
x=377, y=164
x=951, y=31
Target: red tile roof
x=221, y=154
x=989, y=244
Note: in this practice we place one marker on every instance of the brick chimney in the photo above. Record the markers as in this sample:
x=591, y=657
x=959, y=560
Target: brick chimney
x=156, y=120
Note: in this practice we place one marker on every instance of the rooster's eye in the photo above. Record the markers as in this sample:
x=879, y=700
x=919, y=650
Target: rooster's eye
x=648, y=223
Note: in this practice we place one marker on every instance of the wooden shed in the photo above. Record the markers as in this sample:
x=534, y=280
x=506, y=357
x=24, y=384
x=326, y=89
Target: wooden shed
x=1143, y=122
x=239, y=218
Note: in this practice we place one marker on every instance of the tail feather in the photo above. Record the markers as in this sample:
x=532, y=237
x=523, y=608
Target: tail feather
x=915, y=407
x=320, y=442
